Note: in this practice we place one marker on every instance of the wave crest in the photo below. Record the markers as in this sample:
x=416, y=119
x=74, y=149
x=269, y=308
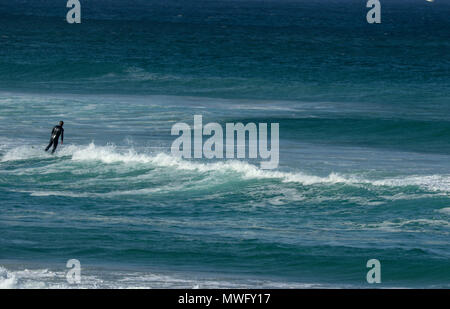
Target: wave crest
x=111, y=154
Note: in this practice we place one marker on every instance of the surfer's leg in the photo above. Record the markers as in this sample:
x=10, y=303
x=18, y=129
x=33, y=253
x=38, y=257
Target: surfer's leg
x=55, y=144
x=49, y=145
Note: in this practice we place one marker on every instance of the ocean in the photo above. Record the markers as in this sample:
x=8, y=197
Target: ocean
x=364, y=144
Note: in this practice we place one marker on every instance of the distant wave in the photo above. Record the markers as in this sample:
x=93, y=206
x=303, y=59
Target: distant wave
x=410, y=226
x=445, y=211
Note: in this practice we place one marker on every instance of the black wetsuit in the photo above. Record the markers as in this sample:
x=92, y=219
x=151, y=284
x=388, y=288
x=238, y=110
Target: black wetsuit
x=56, y=133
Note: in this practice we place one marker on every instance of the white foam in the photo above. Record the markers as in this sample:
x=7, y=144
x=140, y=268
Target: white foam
x=44, y=278
x=111, y=154
x=429, y=182
x=107, y=154
x=445, y=211
x=57, y=193
x=91, y=194
x=7, y=279
x=37, y=279
x=411, y=225
x=250, y=171
x=24, y=153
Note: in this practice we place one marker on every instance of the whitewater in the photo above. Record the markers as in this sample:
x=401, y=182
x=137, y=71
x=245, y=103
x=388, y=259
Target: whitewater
x=110, y=154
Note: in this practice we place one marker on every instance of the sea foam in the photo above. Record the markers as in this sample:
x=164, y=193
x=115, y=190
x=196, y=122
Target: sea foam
x=111, y=154
x=250, y=171
x=7, y=279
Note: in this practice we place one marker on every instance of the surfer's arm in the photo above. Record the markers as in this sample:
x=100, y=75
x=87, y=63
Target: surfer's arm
x=62, y=136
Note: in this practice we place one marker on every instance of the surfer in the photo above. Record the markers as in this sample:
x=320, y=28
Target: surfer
x=56, y=133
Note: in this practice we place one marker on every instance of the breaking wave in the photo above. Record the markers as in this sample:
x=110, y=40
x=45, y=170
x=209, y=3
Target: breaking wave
x=113, y=155
x=45, y=278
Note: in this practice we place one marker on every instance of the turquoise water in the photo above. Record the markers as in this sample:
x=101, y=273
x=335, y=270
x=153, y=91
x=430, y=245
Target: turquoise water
x=364, y=118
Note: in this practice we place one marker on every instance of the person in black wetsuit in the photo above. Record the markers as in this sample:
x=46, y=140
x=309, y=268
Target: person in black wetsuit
x=56, y=133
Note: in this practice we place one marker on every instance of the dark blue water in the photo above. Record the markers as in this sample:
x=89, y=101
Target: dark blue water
x=364, y=116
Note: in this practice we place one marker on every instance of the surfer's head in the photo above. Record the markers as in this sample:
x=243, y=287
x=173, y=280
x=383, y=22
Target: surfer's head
x=61, y=123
